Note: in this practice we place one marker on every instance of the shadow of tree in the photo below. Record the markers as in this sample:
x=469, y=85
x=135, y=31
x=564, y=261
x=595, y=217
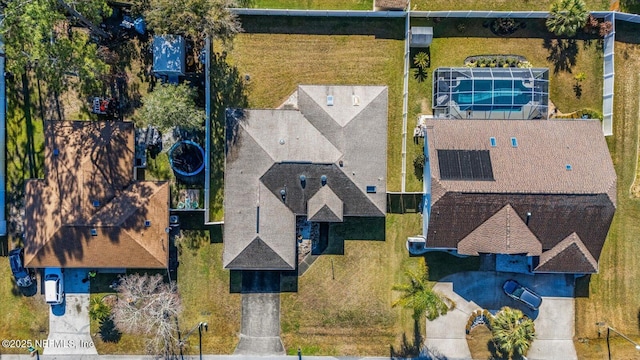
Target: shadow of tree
x=409, y=348
x=420, y=74
x=577, y=89
x=108, y=331
x=418, y=166
x=227, y=92
x=562, y=53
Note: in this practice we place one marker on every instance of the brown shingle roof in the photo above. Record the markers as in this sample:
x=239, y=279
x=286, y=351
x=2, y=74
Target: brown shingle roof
x=89, y=185
x=570, y=255
x=539, y=162
x=532, y=178
x=503, y=233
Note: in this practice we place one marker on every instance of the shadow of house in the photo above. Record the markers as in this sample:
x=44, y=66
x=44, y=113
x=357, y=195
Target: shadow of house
x=542, y=189
x=317, y=161
x=88, y=211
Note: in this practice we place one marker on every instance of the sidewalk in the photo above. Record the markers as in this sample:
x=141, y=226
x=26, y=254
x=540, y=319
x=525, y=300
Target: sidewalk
x=186, y=357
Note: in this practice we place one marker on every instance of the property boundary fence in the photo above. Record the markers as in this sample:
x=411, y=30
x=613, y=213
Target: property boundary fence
x=3, y=103
x=405, y=97
x=608, y=77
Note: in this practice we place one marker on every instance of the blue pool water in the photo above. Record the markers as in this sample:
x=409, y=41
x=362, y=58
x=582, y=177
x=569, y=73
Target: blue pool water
x=484, y=95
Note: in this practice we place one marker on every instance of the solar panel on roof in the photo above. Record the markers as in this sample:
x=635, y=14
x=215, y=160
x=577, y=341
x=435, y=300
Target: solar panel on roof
x=465, y=165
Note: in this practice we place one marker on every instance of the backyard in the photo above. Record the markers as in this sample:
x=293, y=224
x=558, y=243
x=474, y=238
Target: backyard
x=564, y=58
x=280, y=53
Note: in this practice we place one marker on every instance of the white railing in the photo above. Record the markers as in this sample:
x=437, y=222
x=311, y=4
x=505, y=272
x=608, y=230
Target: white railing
x=608, y=77
x=405, y=99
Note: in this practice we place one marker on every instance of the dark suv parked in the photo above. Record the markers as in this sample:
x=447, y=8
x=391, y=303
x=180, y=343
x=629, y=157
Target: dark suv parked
x=22, y=275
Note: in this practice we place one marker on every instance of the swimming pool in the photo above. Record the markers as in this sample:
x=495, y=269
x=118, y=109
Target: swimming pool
x=506, y=94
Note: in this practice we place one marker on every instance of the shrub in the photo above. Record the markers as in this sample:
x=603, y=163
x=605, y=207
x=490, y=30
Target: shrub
x=605, y=28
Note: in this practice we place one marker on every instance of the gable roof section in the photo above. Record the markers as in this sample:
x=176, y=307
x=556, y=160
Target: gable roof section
x=89, y=185
x=570, y=255
x=257, y=249
x=325, y=206
x=502, y=233
x=538, y=164
x=268, y=150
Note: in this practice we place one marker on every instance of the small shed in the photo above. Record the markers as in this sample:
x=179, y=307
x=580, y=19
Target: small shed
x=421, y=36
x=169, y=56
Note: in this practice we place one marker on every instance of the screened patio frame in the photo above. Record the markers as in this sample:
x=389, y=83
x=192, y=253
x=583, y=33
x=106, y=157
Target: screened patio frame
x=530, y=83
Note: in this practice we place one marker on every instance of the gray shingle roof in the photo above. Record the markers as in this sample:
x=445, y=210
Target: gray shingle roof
x=268, y=150
x=325, y=206
x=258, y=249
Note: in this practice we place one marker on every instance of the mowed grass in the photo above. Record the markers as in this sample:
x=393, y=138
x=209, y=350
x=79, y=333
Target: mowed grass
x=22, y=318
x=343, y=303
x=451, y=51
x=614, y=293
x=498, y=5
x=204, y=285
x=314, y=4
x=279, y=62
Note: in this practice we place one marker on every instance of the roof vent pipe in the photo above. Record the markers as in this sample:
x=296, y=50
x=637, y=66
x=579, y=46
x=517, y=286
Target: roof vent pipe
x=323, y=180
x=528, y=218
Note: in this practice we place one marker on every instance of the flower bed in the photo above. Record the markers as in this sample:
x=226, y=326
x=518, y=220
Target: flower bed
x=504, y=61
x=477, y=318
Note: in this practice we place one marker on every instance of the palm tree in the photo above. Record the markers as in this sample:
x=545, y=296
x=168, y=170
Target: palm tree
x=421, y=60
x=512, y=332
x=419, y=295
x=567, y=17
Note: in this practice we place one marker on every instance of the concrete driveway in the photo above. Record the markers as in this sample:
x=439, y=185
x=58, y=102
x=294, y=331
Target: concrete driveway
x=69, y=332
x=554, y=321
x=260, y=330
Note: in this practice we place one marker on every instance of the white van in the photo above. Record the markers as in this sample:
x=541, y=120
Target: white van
x=53, y=286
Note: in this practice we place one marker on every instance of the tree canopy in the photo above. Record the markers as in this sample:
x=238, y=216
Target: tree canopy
x=148, y=306
x=195, y=19
x=419, y=295
x=37, y=35
x=171, y=105
x=512, y=332
x=567, y=17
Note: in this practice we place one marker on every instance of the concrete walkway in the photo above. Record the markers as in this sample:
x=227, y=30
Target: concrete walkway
x=69, y=322
x=554, y=321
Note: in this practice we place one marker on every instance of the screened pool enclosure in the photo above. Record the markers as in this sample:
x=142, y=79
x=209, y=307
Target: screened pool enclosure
x=490, y=93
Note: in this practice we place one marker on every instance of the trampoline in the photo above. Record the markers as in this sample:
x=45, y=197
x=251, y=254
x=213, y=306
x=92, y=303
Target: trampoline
x=186, y=158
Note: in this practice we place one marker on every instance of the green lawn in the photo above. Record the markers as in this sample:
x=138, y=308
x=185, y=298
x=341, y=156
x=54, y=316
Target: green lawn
x=314, y=4
x=349, y=297
x=22, y=317
x=498, y=5
x=278, y=62
x=614, y=293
